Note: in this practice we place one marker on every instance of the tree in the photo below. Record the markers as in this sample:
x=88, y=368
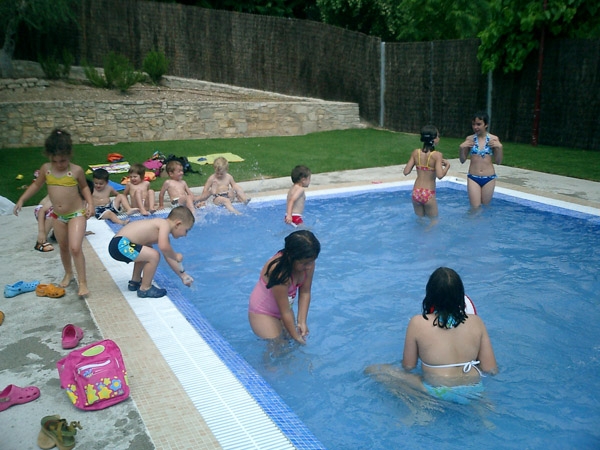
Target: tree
x=407, y=20
x=300, y=9
x=41, y=15
x=516, y=27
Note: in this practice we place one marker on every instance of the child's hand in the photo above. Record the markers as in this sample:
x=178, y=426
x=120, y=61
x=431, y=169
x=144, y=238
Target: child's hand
x=186, y=279
x=302, y=329
x=288, y=219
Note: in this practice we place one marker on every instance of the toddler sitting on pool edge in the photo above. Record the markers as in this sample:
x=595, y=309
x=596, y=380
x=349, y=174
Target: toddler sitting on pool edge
x=223, y=187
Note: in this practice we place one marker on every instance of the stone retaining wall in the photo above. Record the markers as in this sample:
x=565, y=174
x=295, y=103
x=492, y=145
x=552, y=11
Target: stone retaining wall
x=27, y=124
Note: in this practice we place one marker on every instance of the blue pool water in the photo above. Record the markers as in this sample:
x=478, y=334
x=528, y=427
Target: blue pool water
x=532, y=271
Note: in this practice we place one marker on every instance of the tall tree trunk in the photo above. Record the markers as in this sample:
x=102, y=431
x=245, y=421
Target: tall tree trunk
x=8, y=49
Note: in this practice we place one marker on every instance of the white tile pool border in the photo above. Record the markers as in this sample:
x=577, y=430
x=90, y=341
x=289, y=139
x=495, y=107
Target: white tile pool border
x=446, y=182
x=231, y=413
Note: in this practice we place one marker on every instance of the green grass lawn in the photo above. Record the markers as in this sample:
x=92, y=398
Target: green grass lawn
x=276, y=156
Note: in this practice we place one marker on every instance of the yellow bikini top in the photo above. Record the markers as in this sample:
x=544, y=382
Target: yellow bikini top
x=66, y=180
x=426, y=166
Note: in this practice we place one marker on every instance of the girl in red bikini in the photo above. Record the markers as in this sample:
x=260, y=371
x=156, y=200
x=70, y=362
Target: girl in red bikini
x=430, y=165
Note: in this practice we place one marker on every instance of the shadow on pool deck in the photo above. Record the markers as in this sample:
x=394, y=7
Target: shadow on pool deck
x=159, y=414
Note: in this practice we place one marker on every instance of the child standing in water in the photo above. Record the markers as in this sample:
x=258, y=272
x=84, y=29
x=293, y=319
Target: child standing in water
x=67, y=185
x=481, y=147
x=430, y=165
x=289, y=272
x=296, y=195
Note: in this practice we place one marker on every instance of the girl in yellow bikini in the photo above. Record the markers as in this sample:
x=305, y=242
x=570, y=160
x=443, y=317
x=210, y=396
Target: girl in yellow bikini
x=430, y=165
x=67, y=185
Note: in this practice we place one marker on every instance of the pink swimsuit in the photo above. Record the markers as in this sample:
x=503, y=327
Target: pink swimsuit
x=262, y=300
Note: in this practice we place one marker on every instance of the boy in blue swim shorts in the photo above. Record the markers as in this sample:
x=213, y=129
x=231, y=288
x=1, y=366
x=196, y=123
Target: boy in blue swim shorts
x=133, y=243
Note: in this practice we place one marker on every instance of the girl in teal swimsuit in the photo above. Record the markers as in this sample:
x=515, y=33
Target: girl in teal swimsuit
x=67, y=185
x=484, y=150
x=433, y=166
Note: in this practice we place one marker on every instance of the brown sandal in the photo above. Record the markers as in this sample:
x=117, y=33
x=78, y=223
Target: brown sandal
x=57, y=432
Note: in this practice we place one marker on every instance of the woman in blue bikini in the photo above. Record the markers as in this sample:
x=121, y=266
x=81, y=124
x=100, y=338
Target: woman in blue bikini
x=453, y=346
x=481, y=147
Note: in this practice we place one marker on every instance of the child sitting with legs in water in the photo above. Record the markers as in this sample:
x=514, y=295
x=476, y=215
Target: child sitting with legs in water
x=223, y=187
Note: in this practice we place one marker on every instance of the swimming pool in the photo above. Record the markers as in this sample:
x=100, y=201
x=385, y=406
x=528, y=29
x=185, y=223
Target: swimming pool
x=530, y=271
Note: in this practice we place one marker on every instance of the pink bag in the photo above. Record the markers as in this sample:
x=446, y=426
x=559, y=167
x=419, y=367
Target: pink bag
x=154, y=165
x=94, y=376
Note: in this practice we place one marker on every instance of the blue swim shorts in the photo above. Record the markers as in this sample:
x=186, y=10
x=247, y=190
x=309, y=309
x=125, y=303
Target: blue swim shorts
x=122, y=249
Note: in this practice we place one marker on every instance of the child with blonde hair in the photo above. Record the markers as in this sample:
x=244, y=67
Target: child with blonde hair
x=223, y=187
x=138, y=190
x=176, y=187
x=66, y=185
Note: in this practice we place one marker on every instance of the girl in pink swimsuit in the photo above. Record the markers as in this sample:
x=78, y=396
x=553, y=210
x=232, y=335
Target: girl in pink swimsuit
x=423, y=195
x=284, y=276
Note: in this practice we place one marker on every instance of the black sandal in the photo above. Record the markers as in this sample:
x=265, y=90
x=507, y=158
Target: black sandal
x=44, y=247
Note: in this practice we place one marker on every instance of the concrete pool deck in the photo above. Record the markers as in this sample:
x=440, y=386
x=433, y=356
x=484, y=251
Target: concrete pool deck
x=159, y=414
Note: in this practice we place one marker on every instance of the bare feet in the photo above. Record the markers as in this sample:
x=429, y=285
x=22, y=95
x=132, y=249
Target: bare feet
x=123, y=222
x=66, y=280
x=133, y=211
x=84, y=292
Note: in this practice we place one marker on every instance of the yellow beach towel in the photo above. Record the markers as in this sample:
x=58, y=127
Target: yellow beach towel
x=209, y=159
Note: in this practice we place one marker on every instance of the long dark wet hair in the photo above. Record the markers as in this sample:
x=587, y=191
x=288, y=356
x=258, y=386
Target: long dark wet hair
x=301, y=244
x=445, y=297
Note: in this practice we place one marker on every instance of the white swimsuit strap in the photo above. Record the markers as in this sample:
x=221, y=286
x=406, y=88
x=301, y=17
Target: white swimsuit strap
x=466, y=366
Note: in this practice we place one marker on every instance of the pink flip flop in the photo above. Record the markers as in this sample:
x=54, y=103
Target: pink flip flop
x=71, y=335
x=14, y=395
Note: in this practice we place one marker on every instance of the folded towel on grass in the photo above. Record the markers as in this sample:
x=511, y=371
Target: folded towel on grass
x=209, y=159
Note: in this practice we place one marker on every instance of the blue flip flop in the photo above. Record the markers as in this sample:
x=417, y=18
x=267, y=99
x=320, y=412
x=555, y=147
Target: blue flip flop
x=20, y=287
